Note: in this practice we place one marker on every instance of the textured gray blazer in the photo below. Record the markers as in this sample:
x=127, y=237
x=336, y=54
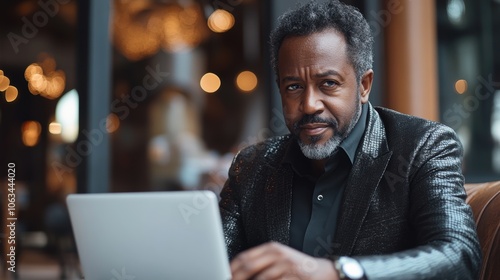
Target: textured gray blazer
x=403, y=213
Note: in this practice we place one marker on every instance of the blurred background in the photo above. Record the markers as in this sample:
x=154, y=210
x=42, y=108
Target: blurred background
x=152, y=95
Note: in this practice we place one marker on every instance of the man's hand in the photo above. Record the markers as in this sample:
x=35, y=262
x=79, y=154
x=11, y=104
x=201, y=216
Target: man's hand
x=276, y=261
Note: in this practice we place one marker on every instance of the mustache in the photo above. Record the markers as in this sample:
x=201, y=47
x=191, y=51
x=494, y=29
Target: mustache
x=307, y=119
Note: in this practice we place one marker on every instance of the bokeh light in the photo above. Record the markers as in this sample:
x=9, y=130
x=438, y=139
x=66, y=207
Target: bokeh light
x=43, y=78
x=67, y=116
x=4, y=83
x=461, y=86
x=55, y=128
x=112, y=123
x=246, y=81
x=183, y=27
x=220, y=21
x=11, y=94
x=210, y=82
x=31, y=133
x=142, y=28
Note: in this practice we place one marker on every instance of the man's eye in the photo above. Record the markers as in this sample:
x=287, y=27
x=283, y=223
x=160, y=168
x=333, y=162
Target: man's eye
x=330, y=83
x=292, y=87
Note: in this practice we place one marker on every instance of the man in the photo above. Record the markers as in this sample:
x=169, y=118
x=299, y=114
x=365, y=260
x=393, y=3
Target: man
x=354, y=192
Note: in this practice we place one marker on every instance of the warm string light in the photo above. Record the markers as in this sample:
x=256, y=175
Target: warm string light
x=55, y=128
x=220, y=21
x=11, y=94
x=31, y=133
x=142, y=28
x=246, y=81
x=9, y=90
x=210, y=82
x=4, y=82
x=43, y=78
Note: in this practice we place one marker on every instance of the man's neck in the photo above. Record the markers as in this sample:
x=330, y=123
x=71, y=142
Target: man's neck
x=318, y=166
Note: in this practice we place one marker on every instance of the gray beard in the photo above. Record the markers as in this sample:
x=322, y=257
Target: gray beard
x=322, y=151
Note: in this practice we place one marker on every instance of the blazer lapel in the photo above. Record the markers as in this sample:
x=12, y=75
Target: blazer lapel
x=367, y=171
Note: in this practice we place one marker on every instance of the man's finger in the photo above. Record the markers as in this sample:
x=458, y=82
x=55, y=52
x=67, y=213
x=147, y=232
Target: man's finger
x=253, y=261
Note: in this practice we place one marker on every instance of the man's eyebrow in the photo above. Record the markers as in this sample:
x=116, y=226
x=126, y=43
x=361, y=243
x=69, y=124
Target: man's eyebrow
x=327, y=73
x=290, y=78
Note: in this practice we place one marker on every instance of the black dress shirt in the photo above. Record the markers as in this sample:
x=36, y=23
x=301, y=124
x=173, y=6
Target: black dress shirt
x=316, y=200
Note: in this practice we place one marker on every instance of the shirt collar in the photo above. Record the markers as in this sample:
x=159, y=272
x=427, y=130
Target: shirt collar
x=350, y=144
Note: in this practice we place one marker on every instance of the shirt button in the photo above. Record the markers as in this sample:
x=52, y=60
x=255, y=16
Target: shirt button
x=320, y=197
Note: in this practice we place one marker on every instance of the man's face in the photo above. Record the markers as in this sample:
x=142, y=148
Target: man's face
x=320, y=95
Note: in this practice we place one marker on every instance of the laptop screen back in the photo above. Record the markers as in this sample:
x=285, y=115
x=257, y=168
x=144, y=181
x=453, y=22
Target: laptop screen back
x=153, y=235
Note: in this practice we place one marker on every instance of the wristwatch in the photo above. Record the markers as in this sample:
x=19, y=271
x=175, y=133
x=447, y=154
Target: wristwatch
x=349, y=269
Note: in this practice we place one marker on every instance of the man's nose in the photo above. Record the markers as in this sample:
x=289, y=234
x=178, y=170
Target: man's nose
x=312, y=102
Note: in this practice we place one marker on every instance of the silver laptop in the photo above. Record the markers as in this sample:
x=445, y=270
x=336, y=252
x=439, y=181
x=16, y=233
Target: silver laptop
x=153, y=235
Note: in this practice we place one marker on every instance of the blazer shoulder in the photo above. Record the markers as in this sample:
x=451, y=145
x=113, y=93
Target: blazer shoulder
x=266, y=152
x=405, y=127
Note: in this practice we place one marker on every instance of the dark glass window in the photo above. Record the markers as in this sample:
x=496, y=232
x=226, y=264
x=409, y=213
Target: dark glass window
x=469, y=81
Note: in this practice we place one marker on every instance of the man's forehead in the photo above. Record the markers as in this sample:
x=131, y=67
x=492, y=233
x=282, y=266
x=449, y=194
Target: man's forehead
x=319, y=54
x=327, y=44
x=323, y=34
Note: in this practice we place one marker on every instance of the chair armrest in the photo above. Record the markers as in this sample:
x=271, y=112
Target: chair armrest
x=484, y=199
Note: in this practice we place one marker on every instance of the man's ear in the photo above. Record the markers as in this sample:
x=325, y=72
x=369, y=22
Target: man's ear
x=366, y=85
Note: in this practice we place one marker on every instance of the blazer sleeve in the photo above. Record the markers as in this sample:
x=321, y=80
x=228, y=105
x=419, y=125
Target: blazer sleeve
x=448, y=246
